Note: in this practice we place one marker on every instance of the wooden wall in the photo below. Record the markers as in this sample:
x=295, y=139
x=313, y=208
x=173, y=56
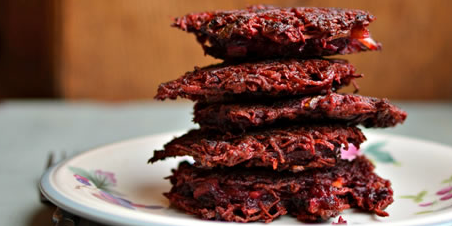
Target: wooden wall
x=122, y=49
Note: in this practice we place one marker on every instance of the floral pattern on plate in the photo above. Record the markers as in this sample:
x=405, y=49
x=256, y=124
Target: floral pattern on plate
x=102, y=184
x=426, y=199
x=375, y=151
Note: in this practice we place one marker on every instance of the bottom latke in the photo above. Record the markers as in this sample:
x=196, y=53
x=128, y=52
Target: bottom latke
x=259, y=194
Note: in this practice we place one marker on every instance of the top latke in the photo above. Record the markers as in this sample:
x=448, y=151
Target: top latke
x=270, y=78
x=267, y=31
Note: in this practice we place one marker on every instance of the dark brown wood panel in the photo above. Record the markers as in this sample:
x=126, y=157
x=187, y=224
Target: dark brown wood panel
x=26, y=49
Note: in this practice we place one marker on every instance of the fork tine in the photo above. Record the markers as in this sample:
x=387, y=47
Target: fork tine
x=50, y=160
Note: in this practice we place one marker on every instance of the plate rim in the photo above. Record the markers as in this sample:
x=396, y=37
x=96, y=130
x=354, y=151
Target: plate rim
x=101, y=216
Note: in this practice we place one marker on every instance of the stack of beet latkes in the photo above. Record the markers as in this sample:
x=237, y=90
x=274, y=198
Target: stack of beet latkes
x=272, y=124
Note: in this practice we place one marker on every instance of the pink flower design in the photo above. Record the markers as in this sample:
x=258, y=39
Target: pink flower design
x=82, y=180
x=426, y=204
x=446, y=197
x=102, y=181
x=123, y=202
x=113, y=199
x=109, y=176
x=444, y=190
x=351, y=153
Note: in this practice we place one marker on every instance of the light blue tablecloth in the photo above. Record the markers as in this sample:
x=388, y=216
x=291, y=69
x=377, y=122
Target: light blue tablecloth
x=30, y=130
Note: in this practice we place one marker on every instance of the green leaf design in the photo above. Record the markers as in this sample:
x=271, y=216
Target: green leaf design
x=416, y=198
x=407, y=197
x=80, y=172
x=424, y=212
x=420, y=196
x=98, y=181
x=375, y=146
x=447, y=181
x=375, y=151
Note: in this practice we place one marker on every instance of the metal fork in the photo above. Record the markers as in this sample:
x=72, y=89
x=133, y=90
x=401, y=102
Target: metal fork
x=60, y=217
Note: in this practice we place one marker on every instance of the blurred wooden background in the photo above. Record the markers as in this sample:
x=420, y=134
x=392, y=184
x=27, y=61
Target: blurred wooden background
x=118, y=50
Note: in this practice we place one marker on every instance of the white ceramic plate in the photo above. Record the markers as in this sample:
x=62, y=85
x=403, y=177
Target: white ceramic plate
x=114, y=185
